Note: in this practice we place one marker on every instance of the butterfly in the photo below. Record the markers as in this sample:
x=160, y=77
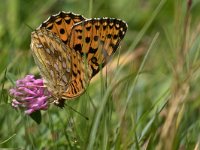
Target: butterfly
x=70, y=49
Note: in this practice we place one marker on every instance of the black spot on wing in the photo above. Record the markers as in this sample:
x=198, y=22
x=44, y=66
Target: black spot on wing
x=97, y=27
x=68, y=21
x=78, y=47
x=96, y=38
x=78, y=30
x=94, y=71
x=50, y=27
x=79, y=37
x=65, y=41
x=74, y=74
x=115, y=36
x=94, y=60
x=58, y=22
x=81, y=83
x=62, y=31
x=93, y=50
x=87, y=39
x=104, y=27
x=88, y=28
x=109, y=36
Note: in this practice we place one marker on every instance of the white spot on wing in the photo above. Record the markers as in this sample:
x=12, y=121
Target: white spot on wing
x=47, y=50
x=47, y=61
x=39, y=45
x=64, y=78
x=68, y=58
x=59, y=57
x=64, y=47
x=68, y=70
x=56, y=67
x=64, y=64
x=52, y=73
x=51, y=47
x=40, y=34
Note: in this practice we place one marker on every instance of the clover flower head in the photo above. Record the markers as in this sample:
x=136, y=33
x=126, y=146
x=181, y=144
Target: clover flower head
x=30, y=94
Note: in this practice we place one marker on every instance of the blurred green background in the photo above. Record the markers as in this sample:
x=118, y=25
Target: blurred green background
x=150, y=101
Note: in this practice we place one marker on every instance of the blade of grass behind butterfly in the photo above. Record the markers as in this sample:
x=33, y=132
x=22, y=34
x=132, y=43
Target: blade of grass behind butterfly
x=129, y=78
x=11, y=64
x=29, y=138
x=99, y=113
x=69, y=125
x=106, y=97
x=136, y=80
x=98, y=116
x=195, y=44
x=140, y=35
x=147, y=130
x=104, y=101
x=51, y=126
x=6, y=140
x=64, y=124
x=90, y=8
x=146, y=26
x=72, y=124
x=2, y=91
x=104, y=123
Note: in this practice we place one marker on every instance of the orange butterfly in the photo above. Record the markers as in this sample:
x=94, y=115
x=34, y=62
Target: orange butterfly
x=70, y=49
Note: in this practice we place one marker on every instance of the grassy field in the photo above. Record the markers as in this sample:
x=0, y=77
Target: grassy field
x=148, y=96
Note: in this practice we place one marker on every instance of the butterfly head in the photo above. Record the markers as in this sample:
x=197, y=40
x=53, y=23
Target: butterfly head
x=57, y=100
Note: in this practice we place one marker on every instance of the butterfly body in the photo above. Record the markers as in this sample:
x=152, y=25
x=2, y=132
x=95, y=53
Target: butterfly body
x=70, y=49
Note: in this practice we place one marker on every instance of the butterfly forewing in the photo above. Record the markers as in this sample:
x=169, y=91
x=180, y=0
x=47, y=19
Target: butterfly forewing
x=97, y=39
x=61, y=24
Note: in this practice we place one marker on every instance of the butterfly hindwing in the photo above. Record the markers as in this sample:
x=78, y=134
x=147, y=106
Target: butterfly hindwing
x=63, y=70
x=97, y=39
x=53, y=59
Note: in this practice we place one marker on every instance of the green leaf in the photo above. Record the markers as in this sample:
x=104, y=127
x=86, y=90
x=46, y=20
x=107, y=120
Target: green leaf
x=36, y=116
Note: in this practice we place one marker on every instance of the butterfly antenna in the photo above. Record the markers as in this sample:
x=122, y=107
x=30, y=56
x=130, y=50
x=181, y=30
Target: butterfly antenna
x=29, y=26
x=77, y=112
